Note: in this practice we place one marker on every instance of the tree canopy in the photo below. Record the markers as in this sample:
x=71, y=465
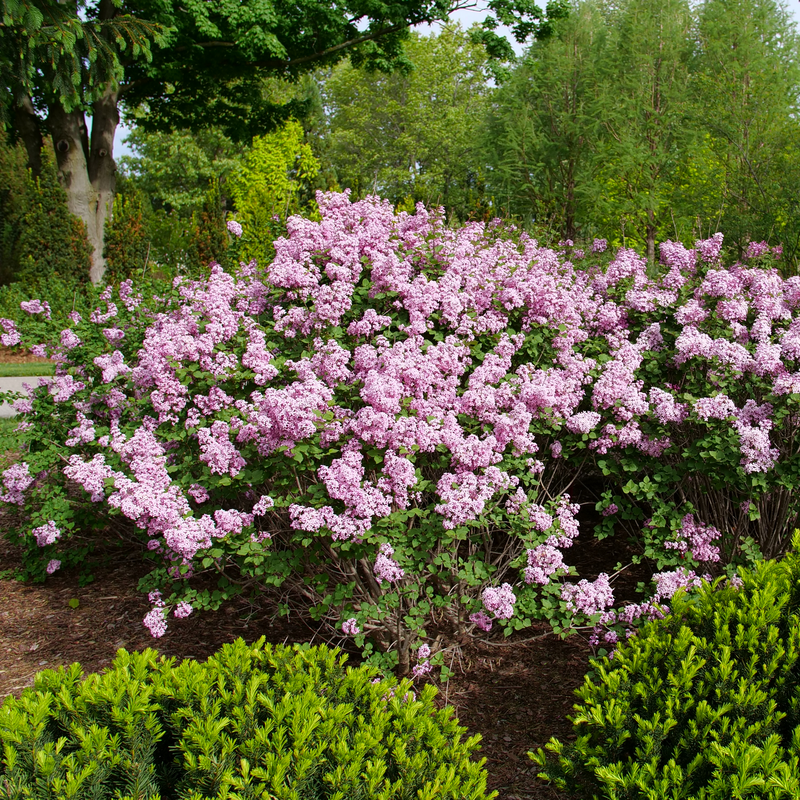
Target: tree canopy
x=410, y=136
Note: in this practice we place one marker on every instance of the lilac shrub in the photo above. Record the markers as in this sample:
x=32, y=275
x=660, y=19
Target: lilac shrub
x=357, y=423
x=719, y=387
x=386, y=420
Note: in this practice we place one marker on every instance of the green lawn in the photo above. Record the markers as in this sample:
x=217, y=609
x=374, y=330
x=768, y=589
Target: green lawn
x=24, y=370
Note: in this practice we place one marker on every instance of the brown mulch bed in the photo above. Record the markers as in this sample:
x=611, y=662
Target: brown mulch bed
x=13, y=355
x=515, y=694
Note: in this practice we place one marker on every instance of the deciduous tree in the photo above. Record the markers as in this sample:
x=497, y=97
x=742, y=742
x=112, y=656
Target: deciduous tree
x=187, y=64
x=410, y=136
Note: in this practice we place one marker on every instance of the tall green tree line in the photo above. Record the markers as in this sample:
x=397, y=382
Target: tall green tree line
x=653, y=119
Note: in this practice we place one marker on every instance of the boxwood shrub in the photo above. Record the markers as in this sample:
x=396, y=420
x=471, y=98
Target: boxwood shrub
x=703, y=704
x=260, y=721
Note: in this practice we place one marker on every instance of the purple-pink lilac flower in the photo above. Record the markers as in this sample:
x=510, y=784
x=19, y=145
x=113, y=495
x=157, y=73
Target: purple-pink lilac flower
x=587, y=597
x=155, y=621
x=69, y=339
x=423, y=668
x=36, y=307
x=22, y=405
x=11, y=336
x=84, y=433
x=709, y=249
x=198, y=493
x=182, y=610
x=583, y=422
x=53, y=565
x=350, y=627
x=217, y=450
x=46, y=534
x=481, y=620
x=90, y=475
x=113, y=334
x=112, y=365
x=386, y=568
x=667, y=583
x=756, y=250
x=544, y=561
x=718, y=407
x=235, y=228
x=758, y=454
x=666, y=408
x=499, y=601
x=16, y=479
x=265, y=502
x=99, y=317
x=696, y=538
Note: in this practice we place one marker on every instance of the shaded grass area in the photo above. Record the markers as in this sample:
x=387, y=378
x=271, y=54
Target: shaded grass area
x=26, y=370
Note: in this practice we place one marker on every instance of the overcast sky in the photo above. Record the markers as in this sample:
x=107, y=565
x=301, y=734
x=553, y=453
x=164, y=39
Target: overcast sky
x=466, y=18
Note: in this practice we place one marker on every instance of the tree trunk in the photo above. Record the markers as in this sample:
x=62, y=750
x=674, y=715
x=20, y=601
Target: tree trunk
x=28, y=126
x=102, y=168
x=87, y=171
x=651, y=237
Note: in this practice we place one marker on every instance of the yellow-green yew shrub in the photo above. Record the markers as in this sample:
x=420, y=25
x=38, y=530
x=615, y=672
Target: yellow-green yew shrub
x=704, y=704
x=260, y=721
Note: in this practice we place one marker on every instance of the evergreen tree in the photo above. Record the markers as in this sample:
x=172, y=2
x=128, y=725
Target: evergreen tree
x=52, y=241
x=209, y=239
x=126, y=240
x=541, y=133
x=748, y=84
x=643, y=103
x=13, y=206
x=274, y=181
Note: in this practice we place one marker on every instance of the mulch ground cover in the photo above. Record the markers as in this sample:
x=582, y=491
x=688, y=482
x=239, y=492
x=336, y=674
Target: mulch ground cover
x=11, y=355
x=515, y=693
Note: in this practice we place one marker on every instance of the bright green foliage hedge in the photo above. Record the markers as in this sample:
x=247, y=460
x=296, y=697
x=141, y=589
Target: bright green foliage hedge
x=275, y=723
x=702, y=705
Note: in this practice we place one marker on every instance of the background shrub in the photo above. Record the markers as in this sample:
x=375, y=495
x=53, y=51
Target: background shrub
x=126, y=241
x=52, y=241
x=253, y=721
x=702, y=704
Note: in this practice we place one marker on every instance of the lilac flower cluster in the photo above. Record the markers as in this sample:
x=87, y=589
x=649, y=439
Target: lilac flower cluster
x=544, y=561
x=386, y=568
x=499, y=600
x=11, y=336
x=695, y=539
x=16, y=479
x=46, y=534
x=350, y=627
x=589, y=598
x=424, y=666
